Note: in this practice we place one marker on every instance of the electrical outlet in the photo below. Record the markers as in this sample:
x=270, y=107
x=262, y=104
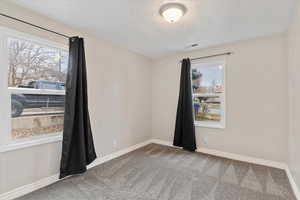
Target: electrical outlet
x=205, y=141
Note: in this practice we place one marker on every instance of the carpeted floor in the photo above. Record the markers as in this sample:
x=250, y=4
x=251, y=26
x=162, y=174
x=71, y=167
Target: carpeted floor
x=157, y=172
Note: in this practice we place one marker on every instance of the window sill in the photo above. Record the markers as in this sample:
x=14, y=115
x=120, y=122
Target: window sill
x=33, y=142
x=209, y=125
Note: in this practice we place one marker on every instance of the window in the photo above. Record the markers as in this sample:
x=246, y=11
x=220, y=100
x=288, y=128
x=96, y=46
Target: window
x=208, y=89
x=35, y=81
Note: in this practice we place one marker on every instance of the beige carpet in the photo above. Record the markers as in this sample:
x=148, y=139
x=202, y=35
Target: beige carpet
x=157, y=172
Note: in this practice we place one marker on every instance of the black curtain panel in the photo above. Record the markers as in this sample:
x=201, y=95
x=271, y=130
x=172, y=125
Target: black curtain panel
x=77, y=147
x=184, y=129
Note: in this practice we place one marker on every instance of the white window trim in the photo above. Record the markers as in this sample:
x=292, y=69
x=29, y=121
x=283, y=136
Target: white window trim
x=34, y=91
x=6, y=143
x=55, y=137
x=222, y=123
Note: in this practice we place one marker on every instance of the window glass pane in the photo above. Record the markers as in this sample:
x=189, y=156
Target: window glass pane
x=64, y=62
x=207, y=79
x=61, y=86
x=208, y=94
x=36, y=115
x=48, y=85
x=30, y=61
x=207, y=109
x=33, y=68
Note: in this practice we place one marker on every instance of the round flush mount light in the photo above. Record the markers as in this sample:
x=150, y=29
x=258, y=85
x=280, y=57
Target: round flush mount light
x=172, y=12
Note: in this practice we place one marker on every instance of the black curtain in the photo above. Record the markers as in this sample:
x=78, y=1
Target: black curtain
x=184, y=129
x=77, y=147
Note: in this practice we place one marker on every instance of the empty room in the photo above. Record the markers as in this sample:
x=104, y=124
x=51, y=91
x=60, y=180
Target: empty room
x=149, y=100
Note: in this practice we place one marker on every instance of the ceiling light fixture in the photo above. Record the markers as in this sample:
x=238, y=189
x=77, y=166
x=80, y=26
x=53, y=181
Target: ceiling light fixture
x=172, y=12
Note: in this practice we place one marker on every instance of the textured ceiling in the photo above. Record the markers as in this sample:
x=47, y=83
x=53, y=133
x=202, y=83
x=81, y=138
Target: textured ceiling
x=137, y=25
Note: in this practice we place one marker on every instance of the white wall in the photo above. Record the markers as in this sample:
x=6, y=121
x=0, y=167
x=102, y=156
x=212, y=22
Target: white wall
x=294, y=94
x=119, y=97
x=256, y=99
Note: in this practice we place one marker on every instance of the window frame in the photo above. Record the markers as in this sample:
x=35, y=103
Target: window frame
x=222, y=123
x=6, y=142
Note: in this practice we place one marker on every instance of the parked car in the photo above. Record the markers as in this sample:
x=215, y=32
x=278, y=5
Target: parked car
x=21, y=101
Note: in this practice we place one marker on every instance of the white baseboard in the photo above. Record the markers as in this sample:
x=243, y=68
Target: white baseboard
x=243, y=158
x=23, y=190
x=232, y=156
x=106, y=158
x=20, y=191
x=293, y=183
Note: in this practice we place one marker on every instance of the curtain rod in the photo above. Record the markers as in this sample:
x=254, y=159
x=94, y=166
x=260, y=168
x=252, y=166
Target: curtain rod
x=36, y=26
x=210, y=56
